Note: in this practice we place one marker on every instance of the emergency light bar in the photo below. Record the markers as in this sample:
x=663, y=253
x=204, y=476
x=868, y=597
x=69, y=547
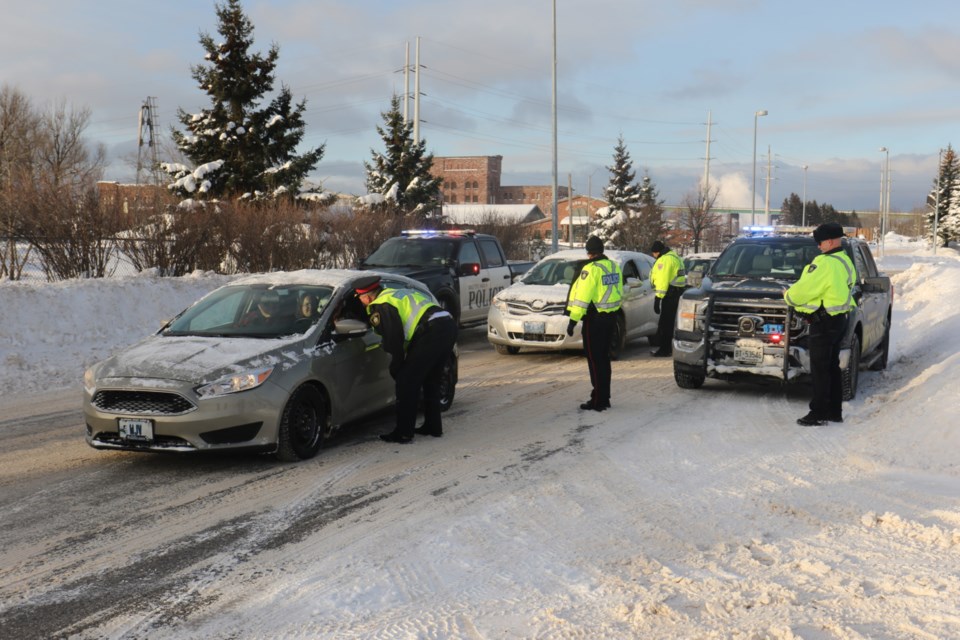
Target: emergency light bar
x=427, y=233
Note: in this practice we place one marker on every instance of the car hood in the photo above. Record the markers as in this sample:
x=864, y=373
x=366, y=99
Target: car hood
x=533, y=292
x=199, y=359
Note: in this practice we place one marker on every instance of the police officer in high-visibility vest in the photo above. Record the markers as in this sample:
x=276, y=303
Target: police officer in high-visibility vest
x=419, y=336
x=669, y=279
x=595, y=297
x=824, y=295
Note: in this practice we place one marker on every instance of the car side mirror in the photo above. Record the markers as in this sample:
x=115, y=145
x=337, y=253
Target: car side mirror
x=470, y=269
x=350, y=327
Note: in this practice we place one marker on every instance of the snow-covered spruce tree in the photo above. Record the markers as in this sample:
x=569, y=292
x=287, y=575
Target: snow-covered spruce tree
x=399, y=178
x=947, y=206
x=622, y=196
x=239, y=146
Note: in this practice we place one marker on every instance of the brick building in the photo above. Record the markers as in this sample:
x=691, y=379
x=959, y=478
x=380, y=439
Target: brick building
x=476, y=180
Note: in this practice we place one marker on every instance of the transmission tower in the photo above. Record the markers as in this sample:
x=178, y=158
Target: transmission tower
x=148, y=120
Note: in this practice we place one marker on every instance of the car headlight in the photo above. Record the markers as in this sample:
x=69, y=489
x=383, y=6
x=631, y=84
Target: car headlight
x=89, y=381
x=500, y=304
x=235, y=383
x=689, y=312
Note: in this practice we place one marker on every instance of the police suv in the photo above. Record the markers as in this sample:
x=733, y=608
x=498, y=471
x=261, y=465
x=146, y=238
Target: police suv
x=737, y=326
x=462, y=268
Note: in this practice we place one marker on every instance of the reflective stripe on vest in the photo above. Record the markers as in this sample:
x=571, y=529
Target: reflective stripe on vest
x=410, y=304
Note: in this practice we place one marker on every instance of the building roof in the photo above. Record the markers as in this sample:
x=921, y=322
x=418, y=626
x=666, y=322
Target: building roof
x=477, y=213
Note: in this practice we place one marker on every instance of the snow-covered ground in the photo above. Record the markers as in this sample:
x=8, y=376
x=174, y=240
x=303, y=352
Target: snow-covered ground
x=679, y=514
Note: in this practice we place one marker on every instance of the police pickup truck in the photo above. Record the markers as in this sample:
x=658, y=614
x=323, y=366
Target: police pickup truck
x=463, y=269
x=737, y=326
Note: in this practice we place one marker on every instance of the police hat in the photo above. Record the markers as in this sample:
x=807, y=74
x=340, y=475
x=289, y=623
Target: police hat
x=366, y=284
x=594, y=246
x=827, y=231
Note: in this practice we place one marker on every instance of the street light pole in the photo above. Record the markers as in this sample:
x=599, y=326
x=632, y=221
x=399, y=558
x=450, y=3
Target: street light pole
x=803, y=218
x=753, y=192
x=884, y=194
x=936, y=206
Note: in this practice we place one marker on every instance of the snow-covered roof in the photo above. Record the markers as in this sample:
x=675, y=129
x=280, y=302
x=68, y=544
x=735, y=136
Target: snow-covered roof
x=476, y=213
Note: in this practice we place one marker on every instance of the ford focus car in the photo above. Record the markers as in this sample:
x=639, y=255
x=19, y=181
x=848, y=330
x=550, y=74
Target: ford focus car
x=530, y=313
x=271, y=363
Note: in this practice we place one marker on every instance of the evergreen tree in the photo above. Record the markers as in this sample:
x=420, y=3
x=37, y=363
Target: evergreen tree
x=238, y=146
x=946, y=207
x=622, y=196
x=400, y=176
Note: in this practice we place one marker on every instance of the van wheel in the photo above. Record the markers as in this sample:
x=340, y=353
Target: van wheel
x=851, y=375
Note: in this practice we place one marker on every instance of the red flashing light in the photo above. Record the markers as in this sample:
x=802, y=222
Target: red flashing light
x=776, y=338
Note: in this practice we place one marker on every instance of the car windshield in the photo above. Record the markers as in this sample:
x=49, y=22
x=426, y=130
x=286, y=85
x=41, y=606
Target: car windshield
x=777, y=260
x=553, y=271
x=253, y=311
x=412, y=252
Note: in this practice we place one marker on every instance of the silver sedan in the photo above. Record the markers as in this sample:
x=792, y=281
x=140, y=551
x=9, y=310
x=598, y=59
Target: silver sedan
x=530, y=313
x=268, y=363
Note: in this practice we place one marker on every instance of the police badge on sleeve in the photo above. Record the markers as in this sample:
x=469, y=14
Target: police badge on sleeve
x=375, y=319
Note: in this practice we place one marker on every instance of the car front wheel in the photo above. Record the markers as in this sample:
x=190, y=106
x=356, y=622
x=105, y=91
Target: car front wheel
x=304, y=425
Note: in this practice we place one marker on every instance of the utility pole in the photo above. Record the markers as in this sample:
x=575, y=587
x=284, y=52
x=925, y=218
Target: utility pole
x=936, y=210
x=554, y=183
x=706, y=168
x=406, y=83
x=570, y=206
x=416, y=96
x=766, y=204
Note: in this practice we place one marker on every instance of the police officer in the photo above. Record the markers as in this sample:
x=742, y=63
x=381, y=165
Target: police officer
x=824, y=294
x=669, y=279
x=595, y=298
x=419, y=336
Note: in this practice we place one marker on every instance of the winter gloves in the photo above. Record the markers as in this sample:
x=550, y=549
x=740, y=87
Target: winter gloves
x=570, y=326
x=656, y=305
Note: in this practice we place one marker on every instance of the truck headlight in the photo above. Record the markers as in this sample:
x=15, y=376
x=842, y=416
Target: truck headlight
x=688, y=314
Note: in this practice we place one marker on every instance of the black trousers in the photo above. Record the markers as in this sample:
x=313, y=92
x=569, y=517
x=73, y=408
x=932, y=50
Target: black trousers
x=826, y=335
x=668, y=318
x=422, y=369
x=597, y=335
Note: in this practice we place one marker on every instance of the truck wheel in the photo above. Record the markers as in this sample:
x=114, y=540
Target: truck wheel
x=851, y=375
x=507, y=350
x=881, y=362
x=687, y=380
x=619, y=338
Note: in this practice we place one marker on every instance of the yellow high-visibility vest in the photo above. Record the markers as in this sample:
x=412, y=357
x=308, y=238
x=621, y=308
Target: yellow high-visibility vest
x=600, y=283
x=827, y=281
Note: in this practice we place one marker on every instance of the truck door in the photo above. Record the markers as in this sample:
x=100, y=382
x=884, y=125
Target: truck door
x=470, y=286
x=495, y=275
x=871, y=303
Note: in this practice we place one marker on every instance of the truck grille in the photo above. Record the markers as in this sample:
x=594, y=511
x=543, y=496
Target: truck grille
x=726, y=315
x=142, y=403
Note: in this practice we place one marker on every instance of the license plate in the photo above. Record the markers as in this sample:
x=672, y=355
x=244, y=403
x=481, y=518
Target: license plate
x=748, y=352
x=136, y=429
x=534, y=327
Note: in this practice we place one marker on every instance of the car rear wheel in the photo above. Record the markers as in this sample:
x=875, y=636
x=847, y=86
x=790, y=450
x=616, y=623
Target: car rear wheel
x=304, y=425
x=448, y=384
x=851, y=374
x=619, y=338
x=505, y=349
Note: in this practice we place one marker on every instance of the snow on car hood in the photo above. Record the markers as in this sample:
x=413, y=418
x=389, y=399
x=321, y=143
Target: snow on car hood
x=754, y=285
x=532, y=292
x=199, y=359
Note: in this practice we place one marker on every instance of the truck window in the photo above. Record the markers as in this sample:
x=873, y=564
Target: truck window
x=491, y=252
x=469, y=253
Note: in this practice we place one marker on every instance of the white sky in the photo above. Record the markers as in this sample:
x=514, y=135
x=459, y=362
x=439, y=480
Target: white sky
x=839, y=80
x=716, y=519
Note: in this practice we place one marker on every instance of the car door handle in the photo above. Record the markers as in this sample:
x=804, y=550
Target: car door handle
x=484, y=279
x=506, y=277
